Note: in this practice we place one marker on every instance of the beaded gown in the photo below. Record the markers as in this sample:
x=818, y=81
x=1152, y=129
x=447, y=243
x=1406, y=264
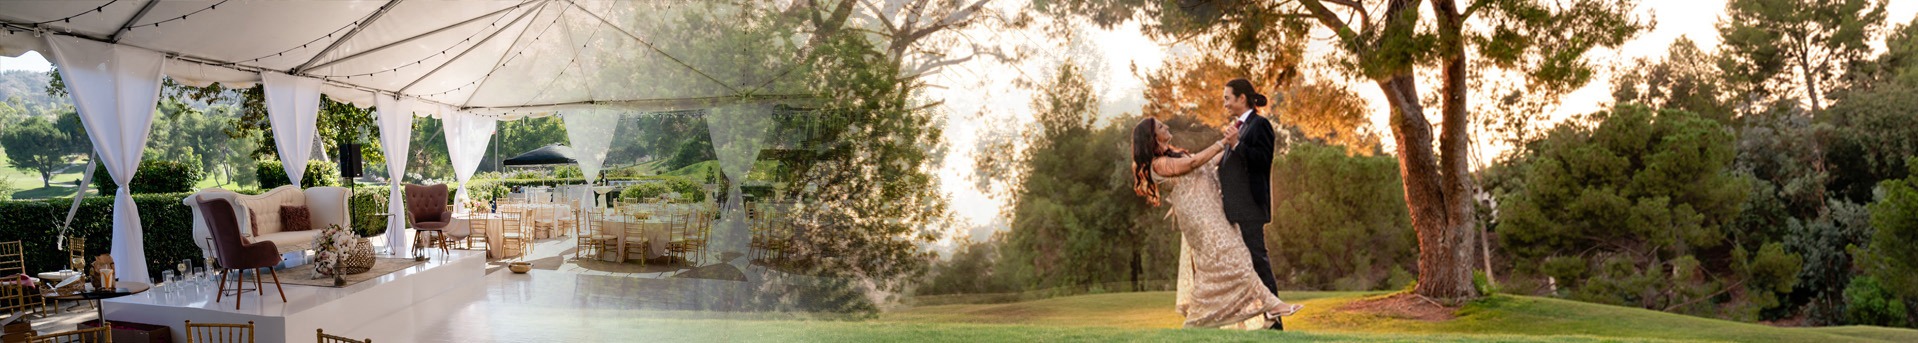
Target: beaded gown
x=1216, y=286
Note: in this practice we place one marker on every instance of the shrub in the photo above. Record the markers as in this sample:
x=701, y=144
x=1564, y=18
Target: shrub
x=365, y=203
x=167, y=225
x=1869, y=303
x=154, y=176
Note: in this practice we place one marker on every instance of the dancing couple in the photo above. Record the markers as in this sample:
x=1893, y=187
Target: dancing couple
x=1221, y=198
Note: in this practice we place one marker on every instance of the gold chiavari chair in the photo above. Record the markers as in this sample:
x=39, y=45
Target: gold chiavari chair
x=325, y=338
x=99, y=334
x=593, y=237
x=637, y=242
x=515, y=238
x=219, y=332
x=77, y=261
x=17, y=296
x=688, y=238
x=477, y=229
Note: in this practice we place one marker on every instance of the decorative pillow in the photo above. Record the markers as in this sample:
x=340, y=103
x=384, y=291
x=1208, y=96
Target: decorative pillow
x=295, y=218
x=253, y=218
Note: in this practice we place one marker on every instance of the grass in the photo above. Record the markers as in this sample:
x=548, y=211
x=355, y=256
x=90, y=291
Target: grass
x=1499, y=318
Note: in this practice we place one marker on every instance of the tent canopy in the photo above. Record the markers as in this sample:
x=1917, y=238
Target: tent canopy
x=546, y=155
x=489, y=57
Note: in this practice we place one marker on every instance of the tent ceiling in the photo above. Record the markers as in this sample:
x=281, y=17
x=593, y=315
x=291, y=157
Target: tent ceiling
x=478, y=55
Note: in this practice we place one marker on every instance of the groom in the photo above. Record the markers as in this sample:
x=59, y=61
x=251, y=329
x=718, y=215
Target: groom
x=1245, y=180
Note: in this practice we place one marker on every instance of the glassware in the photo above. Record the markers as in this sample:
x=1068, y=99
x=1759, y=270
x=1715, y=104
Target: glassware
x=167, y=279
x=199, y=275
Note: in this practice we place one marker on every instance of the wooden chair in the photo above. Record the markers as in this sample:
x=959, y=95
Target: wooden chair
x=690, y=238
x=325, y=338
x=16, y=296
x=515, y=239
x=594, y=239
x=76, y=251
x=476, y=231
x=99, y=334
x=638, y=242
x=219, y=332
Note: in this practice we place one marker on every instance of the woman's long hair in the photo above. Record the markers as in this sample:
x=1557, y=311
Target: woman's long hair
x=1145, y=147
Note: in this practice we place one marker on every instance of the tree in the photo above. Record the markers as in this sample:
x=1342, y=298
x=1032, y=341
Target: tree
x=1636, y=207
x=1686, y=79
x=36, y=145
x=1075, y=221
x=1779, y=47
x=1341, y=218
x=1893, y=254
x=1545, y=42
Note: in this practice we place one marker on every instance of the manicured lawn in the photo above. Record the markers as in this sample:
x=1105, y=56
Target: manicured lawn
x=1500, y=318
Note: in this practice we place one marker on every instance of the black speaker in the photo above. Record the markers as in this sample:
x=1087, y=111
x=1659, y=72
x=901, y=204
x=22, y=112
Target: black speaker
x=350, y=160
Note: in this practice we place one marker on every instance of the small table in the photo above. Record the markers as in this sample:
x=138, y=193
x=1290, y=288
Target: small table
x=124, y=288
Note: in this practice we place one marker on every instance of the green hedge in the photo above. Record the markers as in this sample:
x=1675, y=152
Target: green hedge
x=364, y=205
x=272, y=174
x=166, y=222
x=154, y=176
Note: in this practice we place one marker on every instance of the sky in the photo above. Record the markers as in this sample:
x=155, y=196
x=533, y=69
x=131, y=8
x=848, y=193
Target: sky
x=980, y=104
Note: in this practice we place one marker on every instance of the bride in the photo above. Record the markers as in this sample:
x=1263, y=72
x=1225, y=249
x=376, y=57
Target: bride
x=1222, y=289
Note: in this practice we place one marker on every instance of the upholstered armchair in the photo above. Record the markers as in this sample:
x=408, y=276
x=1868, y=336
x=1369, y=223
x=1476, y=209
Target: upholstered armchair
x=426, y=212
x=235, y=253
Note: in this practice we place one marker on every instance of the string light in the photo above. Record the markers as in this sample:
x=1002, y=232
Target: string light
x=181, y=17
x=502, y=64
x=469, y=38
x=69, y=19
x=302, y=45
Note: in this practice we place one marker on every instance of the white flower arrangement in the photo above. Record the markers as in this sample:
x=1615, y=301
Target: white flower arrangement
x=334, y=243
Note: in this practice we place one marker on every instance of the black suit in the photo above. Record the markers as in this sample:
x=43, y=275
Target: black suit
x=1245, y=183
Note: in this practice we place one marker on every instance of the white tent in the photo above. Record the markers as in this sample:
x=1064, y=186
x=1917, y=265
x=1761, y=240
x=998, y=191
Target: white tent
x=458, y=58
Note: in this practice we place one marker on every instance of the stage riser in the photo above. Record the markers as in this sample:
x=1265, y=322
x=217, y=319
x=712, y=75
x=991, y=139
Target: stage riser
x=339, y=310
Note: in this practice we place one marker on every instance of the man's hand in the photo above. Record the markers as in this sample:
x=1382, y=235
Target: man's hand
x=1231, y=133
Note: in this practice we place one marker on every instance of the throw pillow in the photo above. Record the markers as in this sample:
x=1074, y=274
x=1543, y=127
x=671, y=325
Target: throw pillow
x=295, y=218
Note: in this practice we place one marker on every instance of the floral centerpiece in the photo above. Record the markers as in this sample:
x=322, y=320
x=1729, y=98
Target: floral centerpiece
x=333, y=245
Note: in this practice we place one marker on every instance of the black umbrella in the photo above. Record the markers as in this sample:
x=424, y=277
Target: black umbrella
x=547, y=155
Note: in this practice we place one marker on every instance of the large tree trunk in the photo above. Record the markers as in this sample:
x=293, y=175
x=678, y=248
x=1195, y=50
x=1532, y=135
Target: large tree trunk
x=1439, y=196
x=1451, y=258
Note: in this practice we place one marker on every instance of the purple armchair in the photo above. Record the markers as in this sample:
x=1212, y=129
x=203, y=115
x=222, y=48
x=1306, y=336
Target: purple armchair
x=235, y=253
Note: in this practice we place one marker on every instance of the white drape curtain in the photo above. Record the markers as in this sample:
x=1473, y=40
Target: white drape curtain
x=590, y=132
x=738, y=133
x=467, y=136
x=293, y=105
x=114, y=88
x=396, y=133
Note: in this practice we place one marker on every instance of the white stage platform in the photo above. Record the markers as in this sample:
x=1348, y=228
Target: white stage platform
x=352, y=311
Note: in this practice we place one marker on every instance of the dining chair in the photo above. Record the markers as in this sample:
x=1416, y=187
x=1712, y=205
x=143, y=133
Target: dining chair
x=325, y=338
x=515, y=238
x=689, y=238
x=219, y=332
x=77, y=261
x=595, y=239
x=637, y=241
x=477, y=228
x=99, y=334
x=17, y=296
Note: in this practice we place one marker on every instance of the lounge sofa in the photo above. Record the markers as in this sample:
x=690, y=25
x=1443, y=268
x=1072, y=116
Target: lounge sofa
x=326, y=206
